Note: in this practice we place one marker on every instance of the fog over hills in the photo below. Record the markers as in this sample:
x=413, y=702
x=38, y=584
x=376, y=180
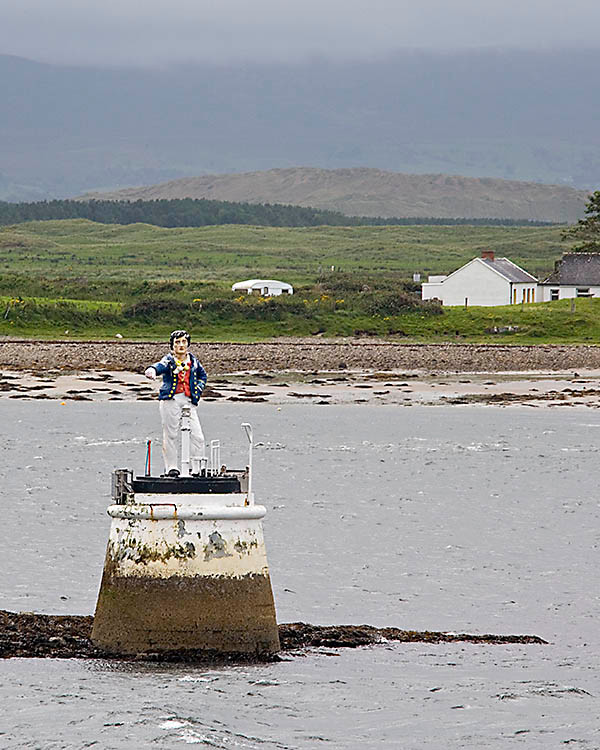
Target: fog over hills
x=515, y=115
x=375, y=192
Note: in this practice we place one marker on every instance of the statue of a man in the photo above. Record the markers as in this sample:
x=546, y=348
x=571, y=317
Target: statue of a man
x=184, y=379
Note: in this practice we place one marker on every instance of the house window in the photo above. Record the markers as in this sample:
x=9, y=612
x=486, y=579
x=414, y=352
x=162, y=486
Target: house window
x=553, y=294
x=583, y=291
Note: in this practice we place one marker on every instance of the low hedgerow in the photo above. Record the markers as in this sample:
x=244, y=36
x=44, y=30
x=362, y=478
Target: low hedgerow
x=28, y=310
x=341, y=282
x=250, y=307
x=397, y=303
x=154, y=309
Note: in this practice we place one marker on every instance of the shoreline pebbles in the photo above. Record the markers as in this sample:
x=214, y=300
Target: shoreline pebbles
x=344, y=371
x=302, y=355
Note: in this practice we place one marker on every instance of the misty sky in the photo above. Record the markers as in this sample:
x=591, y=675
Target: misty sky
x=148, y=32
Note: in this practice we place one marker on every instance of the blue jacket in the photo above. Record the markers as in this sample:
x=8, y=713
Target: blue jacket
x=166, y=368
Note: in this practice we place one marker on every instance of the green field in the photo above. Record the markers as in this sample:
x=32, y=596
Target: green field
x=79, y=248
x=140, y=281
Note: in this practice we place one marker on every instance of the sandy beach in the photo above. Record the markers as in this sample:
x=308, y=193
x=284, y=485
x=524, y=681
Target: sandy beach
x=326, y=372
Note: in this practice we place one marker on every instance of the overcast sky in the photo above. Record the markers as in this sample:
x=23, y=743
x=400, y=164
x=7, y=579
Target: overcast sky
x=147, y=32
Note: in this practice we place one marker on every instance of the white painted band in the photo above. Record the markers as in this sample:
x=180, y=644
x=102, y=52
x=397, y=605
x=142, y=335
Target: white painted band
x=175, y=511
x=195, y=499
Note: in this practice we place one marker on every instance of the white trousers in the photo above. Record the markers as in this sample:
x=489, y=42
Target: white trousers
x=170, y=414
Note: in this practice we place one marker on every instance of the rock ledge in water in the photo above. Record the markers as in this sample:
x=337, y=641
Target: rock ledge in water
x=31, y=635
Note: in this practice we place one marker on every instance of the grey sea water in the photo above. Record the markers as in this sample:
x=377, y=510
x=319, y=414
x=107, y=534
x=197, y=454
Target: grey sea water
x=477, y=519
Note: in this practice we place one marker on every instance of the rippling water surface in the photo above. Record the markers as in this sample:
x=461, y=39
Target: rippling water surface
x=475, y=519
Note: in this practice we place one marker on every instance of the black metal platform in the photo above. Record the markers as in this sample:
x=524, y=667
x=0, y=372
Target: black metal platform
x=217, y=485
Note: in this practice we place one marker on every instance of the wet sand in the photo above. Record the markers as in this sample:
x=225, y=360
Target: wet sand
x=403, y=388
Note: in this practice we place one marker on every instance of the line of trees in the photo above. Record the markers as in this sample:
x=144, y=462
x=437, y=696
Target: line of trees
x=199, y=212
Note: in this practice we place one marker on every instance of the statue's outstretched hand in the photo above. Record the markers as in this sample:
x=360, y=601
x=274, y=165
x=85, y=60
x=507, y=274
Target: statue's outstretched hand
x=150, y=373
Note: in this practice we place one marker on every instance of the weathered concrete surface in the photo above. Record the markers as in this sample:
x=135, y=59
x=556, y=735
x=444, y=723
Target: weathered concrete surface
x=219, y=613
x=302, y=355
x=68, y=636
x=180, y=576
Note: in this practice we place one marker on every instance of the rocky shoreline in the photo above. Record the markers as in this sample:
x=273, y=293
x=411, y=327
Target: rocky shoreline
x=320, y=373
x=32, y=635
x=304, y=355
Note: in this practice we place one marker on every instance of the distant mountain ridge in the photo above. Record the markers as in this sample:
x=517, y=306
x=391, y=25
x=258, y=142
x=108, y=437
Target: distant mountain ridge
x=363, y=191
x=507, y=114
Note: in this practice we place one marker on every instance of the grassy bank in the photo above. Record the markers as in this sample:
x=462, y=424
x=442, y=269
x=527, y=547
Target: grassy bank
x=252, y=320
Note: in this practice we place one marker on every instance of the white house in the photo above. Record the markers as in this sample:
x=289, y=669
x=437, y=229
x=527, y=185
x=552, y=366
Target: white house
x=264, y=287
x=483, y=281
x=574, y=275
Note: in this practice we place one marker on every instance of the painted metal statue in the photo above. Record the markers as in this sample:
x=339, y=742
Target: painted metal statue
x=184, y=379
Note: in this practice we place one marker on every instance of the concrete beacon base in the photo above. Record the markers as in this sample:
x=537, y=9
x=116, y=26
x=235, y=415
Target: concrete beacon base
x=186, y=572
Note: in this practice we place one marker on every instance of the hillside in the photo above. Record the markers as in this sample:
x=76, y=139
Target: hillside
x=375, y=192
x=514, y=115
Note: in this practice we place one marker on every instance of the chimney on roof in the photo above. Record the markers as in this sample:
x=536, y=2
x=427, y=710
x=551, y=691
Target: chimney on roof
x=487, y=254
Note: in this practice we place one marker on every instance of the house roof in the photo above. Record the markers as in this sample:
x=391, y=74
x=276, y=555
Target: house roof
x=577, y=269
x=509, y=270
x=251, y=283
